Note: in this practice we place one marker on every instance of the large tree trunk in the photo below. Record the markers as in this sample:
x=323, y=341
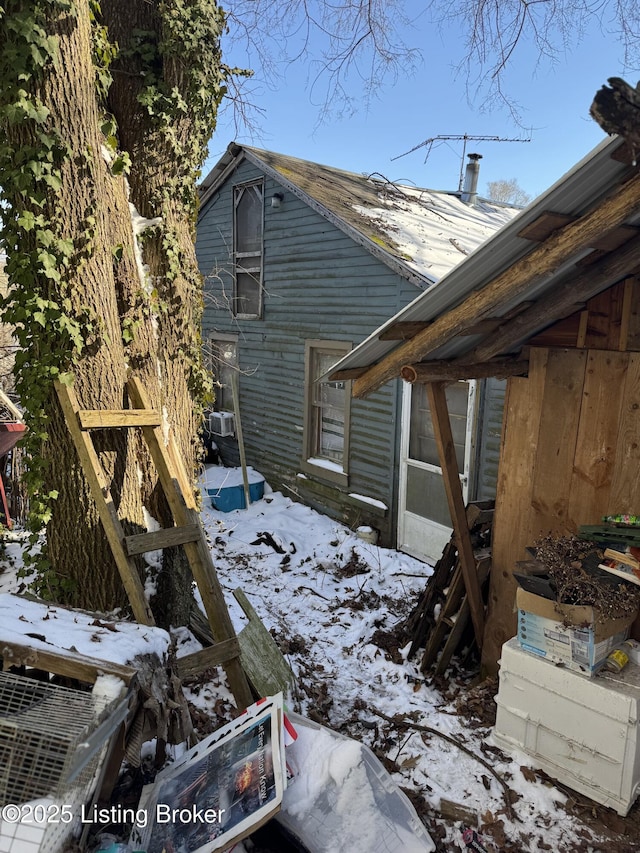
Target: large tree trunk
x=146, y=323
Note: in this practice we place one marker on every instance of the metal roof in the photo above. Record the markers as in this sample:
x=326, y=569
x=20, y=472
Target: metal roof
x=579, y=191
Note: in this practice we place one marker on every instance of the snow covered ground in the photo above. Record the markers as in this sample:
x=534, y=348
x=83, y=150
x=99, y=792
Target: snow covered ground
x=326, y=595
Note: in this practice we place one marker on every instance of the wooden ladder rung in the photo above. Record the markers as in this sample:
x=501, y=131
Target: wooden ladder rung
x=123, y=418
x=168, y=537
x=216, y=655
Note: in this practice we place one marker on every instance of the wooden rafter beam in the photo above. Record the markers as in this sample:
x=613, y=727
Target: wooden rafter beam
x=566, y=298
x=452, y=371
x=513, y=282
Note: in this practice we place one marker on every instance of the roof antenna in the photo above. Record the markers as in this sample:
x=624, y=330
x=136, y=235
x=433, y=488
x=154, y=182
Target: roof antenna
x=460, y=137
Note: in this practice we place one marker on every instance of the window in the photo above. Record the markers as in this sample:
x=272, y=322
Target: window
x=223, y=361
x=326, y=425
x=247, y=249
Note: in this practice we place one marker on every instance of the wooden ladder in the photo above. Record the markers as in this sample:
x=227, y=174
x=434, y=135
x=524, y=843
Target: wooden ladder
x=187, y=530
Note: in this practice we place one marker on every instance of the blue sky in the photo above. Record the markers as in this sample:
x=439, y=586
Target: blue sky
x=554, y=101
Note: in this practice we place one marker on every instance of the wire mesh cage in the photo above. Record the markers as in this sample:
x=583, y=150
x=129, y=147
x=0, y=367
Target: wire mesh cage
x=49, y=759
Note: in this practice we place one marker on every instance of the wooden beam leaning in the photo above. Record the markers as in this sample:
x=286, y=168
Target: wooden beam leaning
x=452, y=371
x=512, y=282
x=453, y=490
x=561, y=302
x=66, y=663
x=99, y=488
x=178, y=491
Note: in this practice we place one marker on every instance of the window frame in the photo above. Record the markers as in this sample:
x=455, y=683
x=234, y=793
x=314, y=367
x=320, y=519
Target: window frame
x=314, y=348
x=213, y=359
x=242, y=260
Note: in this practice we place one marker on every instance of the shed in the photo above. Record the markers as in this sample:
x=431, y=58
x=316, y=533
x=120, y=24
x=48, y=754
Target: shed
x=552, y=301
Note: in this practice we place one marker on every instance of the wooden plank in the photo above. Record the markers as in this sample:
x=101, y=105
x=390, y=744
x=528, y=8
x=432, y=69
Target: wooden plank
x=438, y=371
x=452, y=641
x=172, y=477
x=544, y=225
x=347, y=375
x=112, y=419
x=509, y=284
x=64, y=663
x=210, y=656
x=625, y=491
x=142, y=543
x=633, y=325
x=560, y=302
x=612, y=240
x=104, y=502
x=422, y=617
x=627, y=307
x=602, y=314
x=263, y=661
x=510, y=535
x=594, y=461
x=460, y=621
x=453, y=490
x=557, y=440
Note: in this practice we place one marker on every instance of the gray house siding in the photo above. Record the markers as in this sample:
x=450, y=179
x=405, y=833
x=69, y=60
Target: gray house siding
x=489, y=438
x=318, y=285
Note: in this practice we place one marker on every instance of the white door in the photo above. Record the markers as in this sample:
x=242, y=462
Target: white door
x=424, y=521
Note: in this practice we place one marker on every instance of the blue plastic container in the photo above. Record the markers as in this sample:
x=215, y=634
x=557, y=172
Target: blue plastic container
x=225, y=487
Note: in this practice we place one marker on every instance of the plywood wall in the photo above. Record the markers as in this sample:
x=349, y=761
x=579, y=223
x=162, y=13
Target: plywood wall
x=570, y=454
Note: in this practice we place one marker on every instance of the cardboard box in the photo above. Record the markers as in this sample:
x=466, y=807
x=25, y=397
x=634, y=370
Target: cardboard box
x=567, y=634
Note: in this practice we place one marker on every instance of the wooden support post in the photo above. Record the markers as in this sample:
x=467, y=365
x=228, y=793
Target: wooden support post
x=453, y=489
x=243, y=459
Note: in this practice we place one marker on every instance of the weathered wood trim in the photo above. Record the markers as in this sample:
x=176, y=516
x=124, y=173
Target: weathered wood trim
x=451, y=479
x=511, y=283
x=438, y=371
x=561, y=302
x=65, y=663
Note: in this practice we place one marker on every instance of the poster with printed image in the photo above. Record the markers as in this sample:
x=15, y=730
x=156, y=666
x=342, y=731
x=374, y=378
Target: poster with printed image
x=221, y=790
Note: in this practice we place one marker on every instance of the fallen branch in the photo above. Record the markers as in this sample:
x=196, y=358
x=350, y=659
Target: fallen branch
x=313, y=592
x=404, y=723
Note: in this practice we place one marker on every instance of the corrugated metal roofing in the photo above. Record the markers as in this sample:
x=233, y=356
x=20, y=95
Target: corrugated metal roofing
x=577, y=192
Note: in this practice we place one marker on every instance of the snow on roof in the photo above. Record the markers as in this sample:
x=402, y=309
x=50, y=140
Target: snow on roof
x=421, y=234
x=435, y=230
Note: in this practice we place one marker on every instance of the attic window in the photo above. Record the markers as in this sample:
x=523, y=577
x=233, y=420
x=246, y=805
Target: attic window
x=248, y=201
